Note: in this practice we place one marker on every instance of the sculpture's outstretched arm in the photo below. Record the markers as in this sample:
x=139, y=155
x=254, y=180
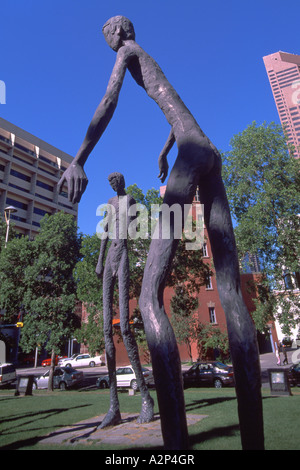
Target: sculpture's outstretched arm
x=74, y=176
x=162, y=159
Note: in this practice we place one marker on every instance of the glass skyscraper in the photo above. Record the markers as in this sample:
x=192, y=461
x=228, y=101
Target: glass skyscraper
x=283, y=71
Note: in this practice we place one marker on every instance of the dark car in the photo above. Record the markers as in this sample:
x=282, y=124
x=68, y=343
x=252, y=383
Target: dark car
x=64, y=377
x=294, y=374
x=208, y=374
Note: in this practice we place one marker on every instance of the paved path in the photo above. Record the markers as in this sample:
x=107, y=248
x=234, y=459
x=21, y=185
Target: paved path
x=128, y=434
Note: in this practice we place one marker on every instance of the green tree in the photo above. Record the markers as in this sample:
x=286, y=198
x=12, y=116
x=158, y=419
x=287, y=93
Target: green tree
x=89, y=292
x=183, y=320
x=210, y=337
x=262, y=181
x=3, y=228
x=50, y=294
x=14, y=260
x=2, y=232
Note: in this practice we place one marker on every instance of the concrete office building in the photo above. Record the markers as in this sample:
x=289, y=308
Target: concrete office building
x=29, y=172
x=283, y=70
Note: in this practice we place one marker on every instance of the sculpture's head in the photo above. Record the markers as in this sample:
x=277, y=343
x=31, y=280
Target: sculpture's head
x=117, y=181
x=116, y=30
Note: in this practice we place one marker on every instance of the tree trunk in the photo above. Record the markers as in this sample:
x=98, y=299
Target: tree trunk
x=51, y=374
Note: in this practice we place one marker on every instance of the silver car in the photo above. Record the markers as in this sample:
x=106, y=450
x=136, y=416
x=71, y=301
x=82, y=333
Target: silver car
x=7, y=374
x=125, y=378
x=64, y=377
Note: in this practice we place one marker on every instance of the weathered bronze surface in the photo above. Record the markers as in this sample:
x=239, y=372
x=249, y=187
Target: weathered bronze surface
x=198, y=164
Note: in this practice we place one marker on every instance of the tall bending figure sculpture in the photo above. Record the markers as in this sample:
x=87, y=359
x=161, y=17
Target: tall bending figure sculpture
x=198, y=163
x=116, y=266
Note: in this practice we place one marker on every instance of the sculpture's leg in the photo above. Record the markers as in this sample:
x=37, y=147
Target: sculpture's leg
x=159, y=332
x=241, y=329
x=113, y=415
x=164, y=351
x=147, y=413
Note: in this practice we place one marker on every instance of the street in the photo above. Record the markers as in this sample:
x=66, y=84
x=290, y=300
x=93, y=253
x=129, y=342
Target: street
x=267, y=361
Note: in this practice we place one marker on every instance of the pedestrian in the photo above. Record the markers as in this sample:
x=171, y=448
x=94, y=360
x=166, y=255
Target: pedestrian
x=285, y=360
x=278, y=357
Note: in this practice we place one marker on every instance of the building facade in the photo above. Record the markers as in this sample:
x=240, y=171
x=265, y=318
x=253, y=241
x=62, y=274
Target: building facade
x=29, y=172
x=283, y=71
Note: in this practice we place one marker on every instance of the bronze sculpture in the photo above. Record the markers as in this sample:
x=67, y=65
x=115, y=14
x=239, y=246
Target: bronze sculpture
x=198, y=164
x=117, y=267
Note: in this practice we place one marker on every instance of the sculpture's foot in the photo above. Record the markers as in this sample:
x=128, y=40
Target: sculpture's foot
x=111, y=419
x=147, y=412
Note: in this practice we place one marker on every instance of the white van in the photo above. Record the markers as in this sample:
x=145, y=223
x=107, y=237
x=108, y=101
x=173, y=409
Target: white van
x=7, y=374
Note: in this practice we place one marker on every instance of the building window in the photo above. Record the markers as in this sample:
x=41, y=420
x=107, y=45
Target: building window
x=19, y=204
x=208, y=283
x=291, y=280
x=47, y=160
x=24, y=149
x=39, y=211
x=15, y=186
x=297, y=279
x=204, y=250
x=212, y=315
x=18, y=218
x=17, y=174
x=43, y=197
x=44, y=185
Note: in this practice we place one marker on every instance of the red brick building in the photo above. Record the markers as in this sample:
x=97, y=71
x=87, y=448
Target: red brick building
x=209, y=310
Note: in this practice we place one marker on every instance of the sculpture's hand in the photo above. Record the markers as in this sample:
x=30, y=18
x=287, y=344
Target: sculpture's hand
x=163, y=167
x=99, y=270
x=76, y=180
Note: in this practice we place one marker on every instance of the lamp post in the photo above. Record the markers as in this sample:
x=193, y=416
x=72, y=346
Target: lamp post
x=7, y=212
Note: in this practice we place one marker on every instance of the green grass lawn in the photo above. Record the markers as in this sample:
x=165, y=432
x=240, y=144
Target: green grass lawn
x=25, y=419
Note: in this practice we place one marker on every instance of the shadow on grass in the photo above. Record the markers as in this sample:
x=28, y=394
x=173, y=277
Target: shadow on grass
x=215, y=433
x=199, y=404
x=29, y=418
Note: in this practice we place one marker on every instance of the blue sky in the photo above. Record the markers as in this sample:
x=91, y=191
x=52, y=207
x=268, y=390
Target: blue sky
x=56, y=65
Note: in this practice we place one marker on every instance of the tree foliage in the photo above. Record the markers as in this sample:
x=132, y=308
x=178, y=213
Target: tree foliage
x=37, y=277
x=210, y=337
x=262, y=181
x=184, y=322
x=15, y=259
x=89, y=292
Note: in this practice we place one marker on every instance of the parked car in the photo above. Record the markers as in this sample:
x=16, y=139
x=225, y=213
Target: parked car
x=26, y=359
x=7, y=374
x=64, y=377
x=287, y=341
x=125, y=378
x=81, y=360
x=294, y=374
x=211, y=374
x=47, y=362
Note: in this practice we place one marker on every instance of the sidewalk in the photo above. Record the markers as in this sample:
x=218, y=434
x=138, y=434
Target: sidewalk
x=269, y=361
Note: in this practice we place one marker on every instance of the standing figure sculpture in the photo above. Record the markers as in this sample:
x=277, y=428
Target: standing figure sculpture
x=198, y=164
x=117, y=267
